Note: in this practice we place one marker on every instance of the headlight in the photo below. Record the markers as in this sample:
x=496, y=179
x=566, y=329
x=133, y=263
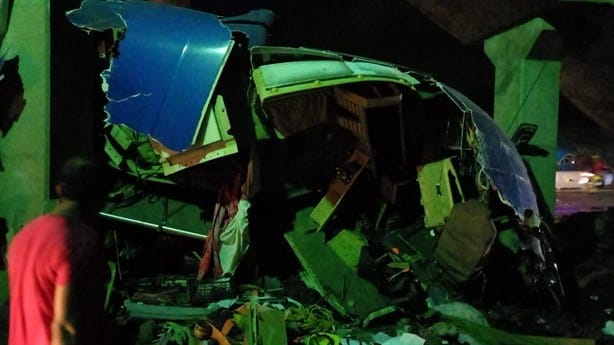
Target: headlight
x=585, y=177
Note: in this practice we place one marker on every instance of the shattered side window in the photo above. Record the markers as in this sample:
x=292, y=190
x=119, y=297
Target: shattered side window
x=499, y=159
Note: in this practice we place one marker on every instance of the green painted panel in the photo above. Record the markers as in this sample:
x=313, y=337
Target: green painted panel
x=356, y=295
x=25, y=149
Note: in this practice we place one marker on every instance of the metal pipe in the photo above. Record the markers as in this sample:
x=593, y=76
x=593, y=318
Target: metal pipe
x=159, y=227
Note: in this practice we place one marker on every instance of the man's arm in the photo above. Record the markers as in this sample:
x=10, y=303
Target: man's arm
x=59, y=324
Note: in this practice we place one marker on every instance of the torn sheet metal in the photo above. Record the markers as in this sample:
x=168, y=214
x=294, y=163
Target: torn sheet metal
x=440, y=189
x=343, y=289
x=311, y=69
x=97, y=16
x=499, y=158
x=254, y=24
x=168, y=63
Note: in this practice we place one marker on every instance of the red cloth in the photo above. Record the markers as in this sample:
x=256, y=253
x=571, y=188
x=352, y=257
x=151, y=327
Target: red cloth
x=225, y=209
x=49, y=251
x=210, y=256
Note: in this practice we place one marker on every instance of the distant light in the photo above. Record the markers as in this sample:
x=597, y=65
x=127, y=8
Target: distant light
x=585, y=177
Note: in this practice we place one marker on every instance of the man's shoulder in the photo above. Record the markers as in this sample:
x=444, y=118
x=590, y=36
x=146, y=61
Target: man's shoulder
x=41, y=232
x=45, y=219
x=39, y=225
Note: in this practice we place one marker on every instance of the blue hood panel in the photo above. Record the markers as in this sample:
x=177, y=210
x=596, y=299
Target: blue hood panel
x=167, y=65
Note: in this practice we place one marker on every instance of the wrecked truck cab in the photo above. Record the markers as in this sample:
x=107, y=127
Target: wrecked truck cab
x=421, y=173
x=302, y=88
x=411, y=182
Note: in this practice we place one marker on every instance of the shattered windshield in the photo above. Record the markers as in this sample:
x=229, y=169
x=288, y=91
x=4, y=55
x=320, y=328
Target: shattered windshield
x=499, y=158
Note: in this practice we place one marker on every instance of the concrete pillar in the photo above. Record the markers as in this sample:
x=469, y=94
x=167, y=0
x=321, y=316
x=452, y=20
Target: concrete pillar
x=527, y=73
x=24, y=186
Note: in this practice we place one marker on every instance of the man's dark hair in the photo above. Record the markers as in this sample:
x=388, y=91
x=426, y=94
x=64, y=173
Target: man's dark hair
x=83, y=179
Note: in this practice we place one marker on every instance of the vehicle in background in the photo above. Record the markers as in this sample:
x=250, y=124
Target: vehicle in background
x=577, y=179
x=582, y=171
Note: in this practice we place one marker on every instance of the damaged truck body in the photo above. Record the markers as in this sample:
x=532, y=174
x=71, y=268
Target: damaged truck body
x=389, y=185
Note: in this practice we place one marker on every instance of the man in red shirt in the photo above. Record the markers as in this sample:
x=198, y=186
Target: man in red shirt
x=56, y=266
